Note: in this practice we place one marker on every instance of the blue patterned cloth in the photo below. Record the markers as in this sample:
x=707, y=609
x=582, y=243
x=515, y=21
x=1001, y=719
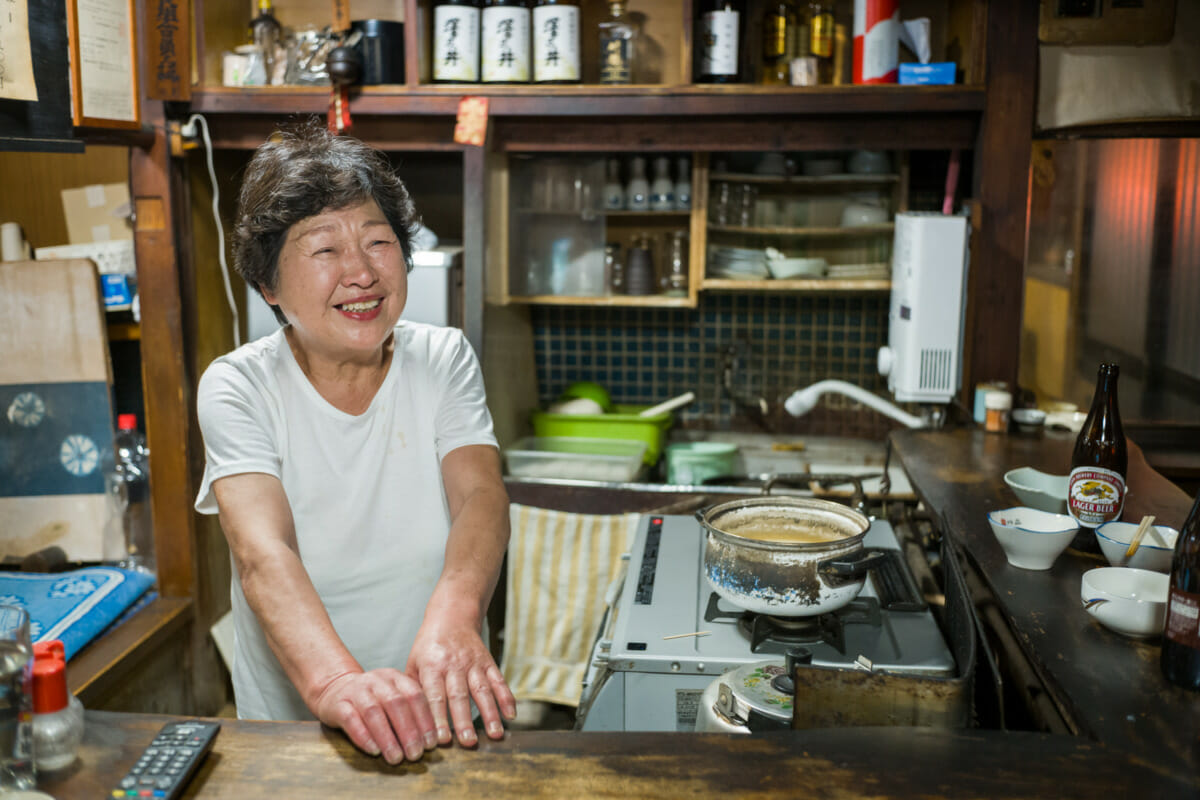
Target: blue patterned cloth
x=74, y=606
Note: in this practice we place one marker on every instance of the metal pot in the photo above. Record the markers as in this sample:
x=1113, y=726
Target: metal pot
x=755, y=555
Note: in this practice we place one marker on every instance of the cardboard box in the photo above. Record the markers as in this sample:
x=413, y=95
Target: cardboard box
x=97, y=213
x=941, y=73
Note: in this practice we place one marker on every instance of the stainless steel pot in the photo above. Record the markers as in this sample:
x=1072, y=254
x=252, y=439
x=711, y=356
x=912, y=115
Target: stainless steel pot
x=754, y=556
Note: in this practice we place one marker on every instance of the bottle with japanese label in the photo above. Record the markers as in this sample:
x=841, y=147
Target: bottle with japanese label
x=618, y=38
x=1180, y=659
x=456, y=41
x=683, y=185
x=779, y=22
x=719, y=40
x=556, y=41
x=1096, y=487
x=820, y=38
x=504, y=38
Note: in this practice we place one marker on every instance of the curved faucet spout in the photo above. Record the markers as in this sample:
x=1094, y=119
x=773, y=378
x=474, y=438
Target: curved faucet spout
x=804, y=400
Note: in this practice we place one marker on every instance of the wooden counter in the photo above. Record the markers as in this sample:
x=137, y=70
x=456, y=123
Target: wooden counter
x=301, y=760
x=1108, y=686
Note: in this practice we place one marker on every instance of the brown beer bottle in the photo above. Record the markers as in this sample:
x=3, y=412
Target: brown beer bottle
x=1180, y=658
x=1096, y=487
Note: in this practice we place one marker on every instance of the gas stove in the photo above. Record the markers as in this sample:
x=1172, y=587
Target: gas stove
x=669, y=635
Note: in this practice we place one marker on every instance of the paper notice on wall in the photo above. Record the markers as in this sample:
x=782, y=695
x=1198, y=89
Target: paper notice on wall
x=16, y=60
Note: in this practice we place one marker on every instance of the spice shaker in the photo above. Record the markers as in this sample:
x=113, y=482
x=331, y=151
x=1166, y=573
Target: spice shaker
x=997, y=405
x=57, y=714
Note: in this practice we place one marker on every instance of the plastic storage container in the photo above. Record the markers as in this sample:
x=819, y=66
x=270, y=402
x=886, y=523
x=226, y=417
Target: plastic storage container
x=623, y=423
x=692, y=463
x=575, y=458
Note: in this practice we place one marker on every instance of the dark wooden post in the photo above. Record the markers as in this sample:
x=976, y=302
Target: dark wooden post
x=996, y=279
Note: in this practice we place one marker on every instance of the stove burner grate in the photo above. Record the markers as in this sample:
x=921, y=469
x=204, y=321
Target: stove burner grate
x=765, y=630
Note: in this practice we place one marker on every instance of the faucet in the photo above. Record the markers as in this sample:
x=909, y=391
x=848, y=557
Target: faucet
x=804, y=400
x=757, y=408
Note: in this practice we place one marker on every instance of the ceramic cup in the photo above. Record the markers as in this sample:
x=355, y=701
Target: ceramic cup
x=13, y=246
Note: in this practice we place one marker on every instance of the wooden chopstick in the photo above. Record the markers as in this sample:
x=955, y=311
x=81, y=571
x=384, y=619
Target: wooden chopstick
x=1147, y=521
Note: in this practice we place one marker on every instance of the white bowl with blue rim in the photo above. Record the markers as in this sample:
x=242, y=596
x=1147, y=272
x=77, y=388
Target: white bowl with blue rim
x=1132, y=602
x=1032, y=539
x=1154, y=553
x=1038, y=489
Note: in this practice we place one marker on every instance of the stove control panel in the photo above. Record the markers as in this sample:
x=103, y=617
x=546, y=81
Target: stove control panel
x=645, y=579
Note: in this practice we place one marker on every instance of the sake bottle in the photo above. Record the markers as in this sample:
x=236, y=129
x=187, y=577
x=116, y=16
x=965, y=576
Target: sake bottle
x=1180, y=659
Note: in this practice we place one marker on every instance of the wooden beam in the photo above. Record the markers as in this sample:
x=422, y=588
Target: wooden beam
x=166, y=384
x=996, y=278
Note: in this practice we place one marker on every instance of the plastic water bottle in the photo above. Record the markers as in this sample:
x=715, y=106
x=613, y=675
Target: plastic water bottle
x=131, y=485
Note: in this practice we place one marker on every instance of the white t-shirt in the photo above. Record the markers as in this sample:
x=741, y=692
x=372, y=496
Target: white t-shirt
x=365, y=491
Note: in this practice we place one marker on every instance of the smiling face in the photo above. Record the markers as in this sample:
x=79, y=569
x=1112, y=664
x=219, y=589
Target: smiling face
x=342, y=283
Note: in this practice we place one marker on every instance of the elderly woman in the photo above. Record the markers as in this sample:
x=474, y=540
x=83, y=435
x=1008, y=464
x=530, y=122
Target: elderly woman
x=351, y=459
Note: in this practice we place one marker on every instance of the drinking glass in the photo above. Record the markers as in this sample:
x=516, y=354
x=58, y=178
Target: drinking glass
x=677, y=264
x=719, y=210
x=747, y=197
x=16, y=701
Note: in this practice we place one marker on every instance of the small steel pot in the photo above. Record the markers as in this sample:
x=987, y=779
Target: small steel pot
x=779, y=575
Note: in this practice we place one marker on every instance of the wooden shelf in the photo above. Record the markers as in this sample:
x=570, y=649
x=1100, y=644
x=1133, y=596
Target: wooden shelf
x=806, y=180
x=840, y=233
x=104, y=662
x=648, y=215
x=595, y=212
x=807, y=285
x=649, y=300
x=598, y=101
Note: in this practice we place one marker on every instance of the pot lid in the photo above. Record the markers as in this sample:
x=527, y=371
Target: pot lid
x=750, y=688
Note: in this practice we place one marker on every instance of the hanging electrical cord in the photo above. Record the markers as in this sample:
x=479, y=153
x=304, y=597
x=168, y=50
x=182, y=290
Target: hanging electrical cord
x=189, y=131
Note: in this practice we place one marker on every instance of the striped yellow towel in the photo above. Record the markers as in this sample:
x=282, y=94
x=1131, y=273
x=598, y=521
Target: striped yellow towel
x=559, y=567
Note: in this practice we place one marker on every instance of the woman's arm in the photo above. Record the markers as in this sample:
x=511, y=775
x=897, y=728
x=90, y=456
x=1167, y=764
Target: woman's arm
x=448, y=657
x=1150, y=492
x=382, y=710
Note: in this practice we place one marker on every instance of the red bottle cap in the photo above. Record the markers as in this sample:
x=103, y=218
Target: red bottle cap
x=126, y=422
x=49, y=677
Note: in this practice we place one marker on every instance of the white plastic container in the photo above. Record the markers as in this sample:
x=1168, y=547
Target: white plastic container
x=575, y=458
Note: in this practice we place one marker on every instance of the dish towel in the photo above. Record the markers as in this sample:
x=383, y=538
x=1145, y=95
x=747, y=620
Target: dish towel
x=74, y=606
x=560, y=566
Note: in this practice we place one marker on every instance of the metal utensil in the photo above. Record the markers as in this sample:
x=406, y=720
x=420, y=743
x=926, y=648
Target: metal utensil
x=1147, y=521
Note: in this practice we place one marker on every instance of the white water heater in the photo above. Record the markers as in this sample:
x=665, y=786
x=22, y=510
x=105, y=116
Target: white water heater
x=923, y=356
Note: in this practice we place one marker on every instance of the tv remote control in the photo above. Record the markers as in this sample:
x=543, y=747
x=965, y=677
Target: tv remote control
x=168, y=762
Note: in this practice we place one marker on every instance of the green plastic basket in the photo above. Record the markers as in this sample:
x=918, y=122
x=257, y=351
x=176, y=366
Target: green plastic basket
x=623, y=423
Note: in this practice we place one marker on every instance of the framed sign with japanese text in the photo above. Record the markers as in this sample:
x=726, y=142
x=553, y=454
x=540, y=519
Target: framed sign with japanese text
x=167, y=50
x=102, y=37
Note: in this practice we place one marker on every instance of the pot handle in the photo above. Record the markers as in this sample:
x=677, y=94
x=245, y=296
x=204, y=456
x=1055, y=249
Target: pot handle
x=851, y=565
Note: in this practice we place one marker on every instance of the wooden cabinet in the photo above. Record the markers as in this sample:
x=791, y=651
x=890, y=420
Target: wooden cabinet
x=988, y=115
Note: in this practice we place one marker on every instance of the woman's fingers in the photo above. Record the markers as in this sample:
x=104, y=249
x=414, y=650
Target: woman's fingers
x=503, y=694
x=435, y=693
x=459, y=699
x=384, y=712
x=481, y=692
x=346, y=717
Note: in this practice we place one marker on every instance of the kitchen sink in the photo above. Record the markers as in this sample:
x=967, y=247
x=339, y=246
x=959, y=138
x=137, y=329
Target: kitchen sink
x=762, y=454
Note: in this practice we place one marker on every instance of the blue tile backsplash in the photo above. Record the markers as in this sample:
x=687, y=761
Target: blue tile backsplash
x=776, y=343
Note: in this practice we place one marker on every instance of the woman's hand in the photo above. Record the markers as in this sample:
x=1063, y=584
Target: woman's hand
x=454, y=667
x=383, y=711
